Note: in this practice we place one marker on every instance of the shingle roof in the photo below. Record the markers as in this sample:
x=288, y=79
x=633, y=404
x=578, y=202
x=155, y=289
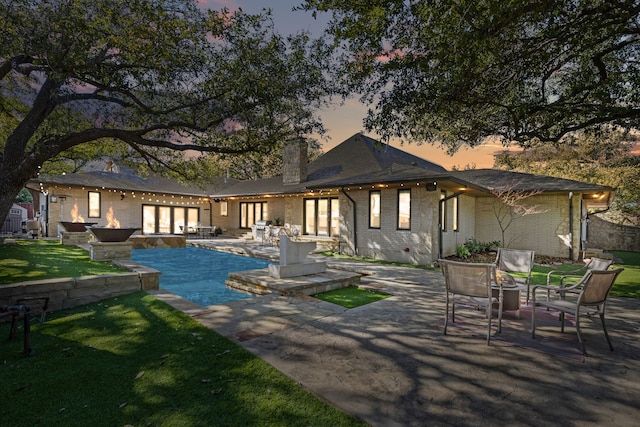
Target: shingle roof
x=359, y=157
x=494, y=179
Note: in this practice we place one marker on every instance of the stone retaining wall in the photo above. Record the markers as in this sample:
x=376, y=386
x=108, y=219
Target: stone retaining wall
x=612, y=237
x=74, y=291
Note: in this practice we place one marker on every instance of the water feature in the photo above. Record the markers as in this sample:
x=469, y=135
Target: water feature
x=198, y=274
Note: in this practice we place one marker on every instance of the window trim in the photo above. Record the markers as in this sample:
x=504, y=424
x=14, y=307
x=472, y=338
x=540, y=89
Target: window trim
x=443, y=214
x=455, y=226
x=400, y=192
x=373, y=193
x=330, y=212
x=89, y=203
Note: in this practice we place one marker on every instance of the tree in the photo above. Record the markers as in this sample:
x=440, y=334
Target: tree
x=511, y=204
x=159, y=82
x=253, y=166
x=457, y=72
x=604, y=157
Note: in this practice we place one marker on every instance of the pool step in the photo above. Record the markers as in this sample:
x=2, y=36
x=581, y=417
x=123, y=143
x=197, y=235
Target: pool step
x=259, y=282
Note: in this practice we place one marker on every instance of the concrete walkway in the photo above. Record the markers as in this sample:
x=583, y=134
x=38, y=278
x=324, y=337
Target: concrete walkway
x=389, y=364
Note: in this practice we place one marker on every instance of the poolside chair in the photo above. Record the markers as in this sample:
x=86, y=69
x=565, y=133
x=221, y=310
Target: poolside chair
x=516, y=261
x=470, y=284
x=592, y=292
x=575, y=275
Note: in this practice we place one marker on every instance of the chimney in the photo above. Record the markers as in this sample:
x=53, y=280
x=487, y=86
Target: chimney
x=294, y=161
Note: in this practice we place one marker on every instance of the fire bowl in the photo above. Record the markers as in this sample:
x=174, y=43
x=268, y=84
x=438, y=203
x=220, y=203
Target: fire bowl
x=75, y=227
x=106, y=234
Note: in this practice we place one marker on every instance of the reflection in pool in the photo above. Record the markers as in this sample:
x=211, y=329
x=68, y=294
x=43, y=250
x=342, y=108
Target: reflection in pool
x=198, y=274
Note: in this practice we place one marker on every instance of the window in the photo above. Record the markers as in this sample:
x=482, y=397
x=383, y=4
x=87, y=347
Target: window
x=322, y=217
x=168, y=219
x=456, y=212
x=443, y=211
x=94, y=204
x=374, y=209
x=404, y=209
x=250, y=212
x=223, y=208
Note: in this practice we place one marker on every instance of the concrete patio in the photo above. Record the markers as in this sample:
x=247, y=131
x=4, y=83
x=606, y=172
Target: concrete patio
x=389, y=364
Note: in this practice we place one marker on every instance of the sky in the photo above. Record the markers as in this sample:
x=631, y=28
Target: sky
x=343, y=121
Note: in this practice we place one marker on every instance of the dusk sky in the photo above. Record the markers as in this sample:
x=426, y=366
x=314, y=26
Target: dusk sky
x=342, y=121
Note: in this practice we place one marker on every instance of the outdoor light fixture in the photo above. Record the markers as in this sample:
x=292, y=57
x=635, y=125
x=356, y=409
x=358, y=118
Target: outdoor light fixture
x=431, y=186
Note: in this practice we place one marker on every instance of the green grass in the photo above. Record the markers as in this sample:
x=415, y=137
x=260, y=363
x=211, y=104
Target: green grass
x=627, y=284
x=48, y=259
x=351, y=296
x=136, y=361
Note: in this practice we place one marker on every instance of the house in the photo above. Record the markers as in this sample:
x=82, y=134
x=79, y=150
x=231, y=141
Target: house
x=381, y=202
x=365, y=197
x=116, y=195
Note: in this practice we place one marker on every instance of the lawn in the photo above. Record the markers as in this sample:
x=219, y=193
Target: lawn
x=48, y=259
x=136, y=361
x=627, y=284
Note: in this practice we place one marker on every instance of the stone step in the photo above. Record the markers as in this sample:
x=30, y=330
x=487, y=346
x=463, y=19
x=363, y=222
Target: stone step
x=259, y=282
x=247, y=287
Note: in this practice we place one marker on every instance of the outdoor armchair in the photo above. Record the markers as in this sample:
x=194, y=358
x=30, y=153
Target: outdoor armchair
x=574, y=275
x=592, y=293
x=516, y=261
x=470, y=284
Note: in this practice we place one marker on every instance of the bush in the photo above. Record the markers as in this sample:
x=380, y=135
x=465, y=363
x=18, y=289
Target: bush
x=472, y=247
x=462, y=252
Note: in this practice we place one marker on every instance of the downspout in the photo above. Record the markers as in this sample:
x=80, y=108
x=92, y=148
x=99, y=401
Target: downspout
x=355, y=224
x=440, y=210
x=571, y=225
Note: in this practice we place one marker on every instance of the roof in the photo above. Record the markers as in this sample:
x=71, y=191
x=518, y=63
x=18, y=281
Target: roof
x=126, y=180
x=495, y=179
x=357, y=159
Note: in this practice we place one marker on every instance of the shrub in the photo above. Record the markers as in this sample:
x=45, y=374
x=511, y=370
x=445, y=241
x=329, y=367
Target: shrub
x=462, y=252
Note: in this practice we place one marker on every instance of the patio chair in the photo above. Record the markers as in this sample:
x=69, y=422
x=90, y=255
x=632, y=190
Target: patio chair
x=470, y=284
x=575, y=275
x=516, y=261
x=592, y=292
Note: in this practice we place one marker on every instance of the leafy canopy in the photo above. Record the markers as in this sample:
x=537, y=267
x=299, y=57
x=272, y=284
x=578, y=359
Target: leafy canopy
x=602, y=157
x=149, y=81
x=459, y=71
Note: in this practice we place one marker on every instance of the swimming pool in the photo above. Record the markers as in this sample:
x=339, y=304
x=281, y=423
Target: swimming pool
x=198, y=274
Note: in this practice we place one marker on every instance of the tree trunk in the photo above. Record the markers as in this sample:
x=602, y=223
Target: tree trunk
x=10, y=185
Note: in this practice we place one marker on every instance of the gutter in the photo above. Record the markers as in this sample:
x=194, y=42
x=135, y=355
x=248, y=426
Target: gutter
x=355, y=223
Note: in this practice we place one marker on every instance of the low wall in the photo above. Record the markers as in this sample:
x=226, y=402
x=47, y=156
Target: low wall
x=158, y=241
x=612, y=237
x=75, y=291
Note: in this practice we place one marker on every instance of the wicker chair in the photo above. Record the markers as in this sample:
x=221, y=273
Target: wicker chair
x=592, y=292
x=470, y=284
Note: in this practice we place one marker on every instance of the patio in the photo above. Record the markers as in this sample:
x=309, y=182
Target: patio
x=389, y=363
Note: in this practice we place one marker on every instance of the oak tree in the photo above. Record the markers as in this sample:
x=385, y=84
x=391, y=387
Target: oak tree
x=456, y=72
x=150, y=80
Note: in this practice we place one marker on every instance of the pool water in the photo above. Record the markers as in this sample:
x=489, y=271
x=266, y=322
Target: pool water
x=197, y=274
